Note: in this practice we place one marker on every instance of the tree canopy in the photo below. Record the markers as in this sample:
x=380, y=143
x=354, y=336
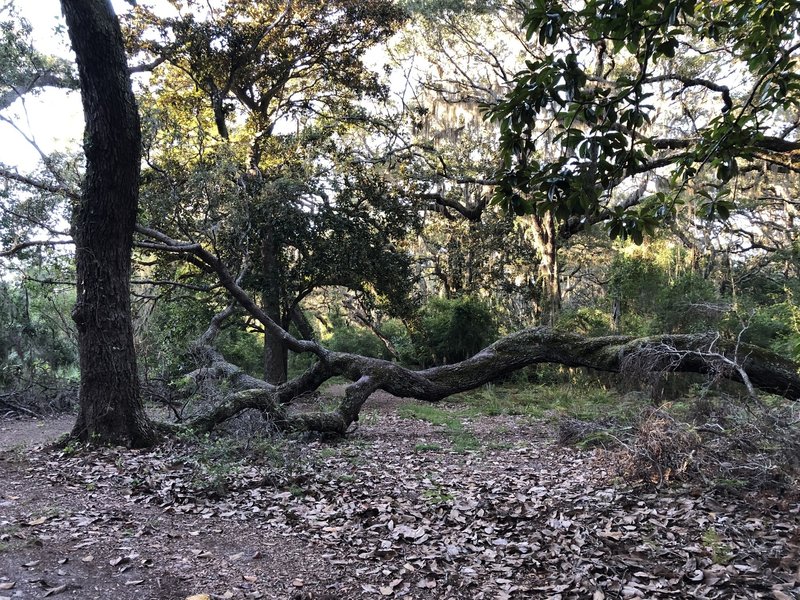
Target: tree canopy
x=699, y=93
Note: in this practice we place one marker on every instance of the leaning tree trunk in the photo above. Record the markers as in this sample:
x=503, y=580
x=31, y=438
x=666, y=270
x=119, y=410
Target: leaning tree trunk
x=276, y=356
x=756, y=368
x=111, y=410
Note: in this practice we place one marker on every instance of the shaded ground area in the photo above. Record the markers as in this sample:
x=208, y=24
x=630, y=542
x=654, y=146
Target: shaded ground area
x=27, y=433
x=490, y=508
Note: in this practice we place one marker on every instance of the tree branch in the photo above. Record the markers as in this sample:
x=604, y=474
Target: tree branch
x=44, y=186
x=32, y=244
x=759, y=369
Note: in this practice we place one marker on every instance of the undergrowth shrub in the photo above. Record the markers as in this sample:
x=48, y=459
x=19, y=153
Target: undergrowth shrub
x=356, y=340
x=662, y=449
x=720, y=440
x=454, y=329
x=584, y=320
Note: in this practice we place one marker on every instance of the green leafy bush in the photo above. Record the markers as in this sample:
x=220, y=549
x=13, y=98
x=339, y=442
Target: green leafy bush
x=36, y=335
x=584, y=320
x=454, y=329
x=689, y=303
x=244, y=349
x=397, y=333
x=356, y=340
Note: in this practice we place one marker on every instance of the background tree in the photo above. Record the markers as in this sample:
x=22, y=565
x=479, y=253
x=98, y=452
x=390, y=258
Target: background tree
x=277, y=90
x=26, y=70
x=461, y=57
x=222, y=180
x=627, y=87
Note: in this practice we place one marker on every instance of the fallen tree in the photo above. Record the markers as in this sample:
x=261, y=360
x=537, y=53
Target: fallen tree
x=695, y=353
x=756, y=368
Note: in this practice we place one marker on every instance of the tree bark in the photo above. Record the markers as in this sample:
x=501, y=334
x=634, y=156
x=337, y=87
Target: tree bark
x=549, y=282
x=691, y=353
x=111, y=411
x=756, y=367
x=276, y=356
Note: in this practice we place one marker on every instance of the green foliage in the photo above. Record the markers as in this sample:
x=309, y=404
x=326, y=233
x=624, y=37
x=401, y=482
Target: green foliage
x=453, y=330
x=586, y=401
x=356, y=340
x=225, y=169
x=607, y=131
x=654, y=299
x=165, y=334
x=681, y=305
x=453, y=421
x=584, y=320
x=243, y=348
x=168, y=330
x=774, y=326
x=432, y=414
x=437, y=494
x=398, y=335
x=721, y=553
x=36, y=332
x=633, y=280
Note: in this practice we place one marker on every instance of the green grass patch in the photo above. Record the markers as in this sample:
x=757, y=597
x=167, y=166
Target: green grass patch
x=427, y=447
x=432, y=414
x=464, y=441
x=453, y=422
x=549, y=401
x=437, y=495
x=720, y=551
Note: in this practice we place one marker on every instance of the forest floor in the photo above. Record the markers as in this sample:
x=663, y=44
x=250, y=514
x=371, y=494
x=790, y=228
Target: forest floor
x=462, y=507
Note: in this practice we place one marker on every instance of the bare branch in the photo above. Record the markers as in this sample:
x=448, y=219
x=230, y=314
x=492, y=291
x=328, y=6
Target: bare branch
x=32, y=244
x=167, y=244
x=44, y=186
x=36, y=81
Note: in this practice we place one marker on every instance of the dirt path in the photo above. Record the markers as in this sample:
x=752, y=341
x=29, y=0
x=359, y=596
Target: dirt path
x=488, y=509
x=26, y=433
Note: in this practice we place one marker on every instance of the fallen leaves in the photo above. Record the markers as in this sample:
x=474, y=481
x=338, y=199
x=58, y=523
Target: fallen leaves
x=56, y=590
x=532, y=520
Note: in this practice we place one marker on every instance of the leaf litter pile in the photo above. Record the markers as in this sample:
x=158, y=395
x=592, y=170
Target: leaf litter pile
x=397, y=510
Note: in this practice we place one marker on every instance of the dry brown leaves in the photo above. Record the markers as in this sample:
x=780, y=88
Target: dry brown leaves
x=531, y=520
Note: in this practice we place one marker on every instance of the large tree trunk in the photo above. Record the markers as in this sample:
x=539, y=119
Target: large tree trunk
x=634, y=357
x=111, y=410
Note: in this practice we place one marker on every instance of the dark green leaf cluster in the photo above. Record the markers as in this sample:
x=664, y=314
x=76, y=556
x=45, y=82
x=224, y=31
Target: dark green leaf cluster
x=595, y=93
x=453, y=330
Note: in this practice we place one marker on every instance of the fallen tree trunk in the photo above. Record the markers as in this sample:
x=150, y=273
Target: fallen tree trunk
x=755, y=367
x=691, y=353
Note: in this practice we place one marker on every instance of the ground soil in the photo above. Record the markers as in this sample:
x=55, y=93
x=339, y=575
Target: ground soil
x=489, y=508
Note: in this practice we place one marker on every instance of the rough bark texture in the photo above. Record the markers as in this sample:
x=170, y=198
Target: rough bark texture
x=676, y=353
x=110, y=407
x=546, y=242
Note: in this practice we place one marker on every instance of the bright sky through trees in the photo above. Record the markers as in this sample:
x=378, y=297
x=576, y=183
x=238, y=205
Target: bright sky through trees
x=53, y=118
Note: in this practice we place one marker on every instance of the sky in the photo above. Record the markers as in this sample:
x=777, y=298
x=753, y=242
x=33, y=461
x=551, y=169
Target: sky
x=53, y=118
